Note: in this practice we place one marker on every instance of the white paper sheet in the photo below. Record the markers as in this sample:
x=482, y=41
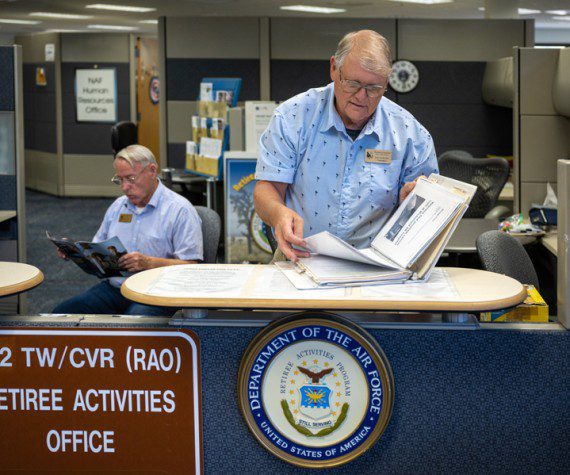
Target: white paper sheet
x=196, y=281
x=438, y=287
x=419, y=218
x=211, y=148
x=284, y=281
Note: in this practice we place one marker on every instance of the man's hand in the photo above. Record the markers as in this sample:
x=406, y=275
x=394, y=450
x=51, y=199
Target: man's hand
x=408, y=187
x=135, y=262
x=288, y=231
x=62, y=255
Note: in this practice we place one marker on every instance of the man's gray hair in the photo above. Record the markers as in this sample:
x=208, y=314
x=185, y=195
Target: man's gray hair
x=134, y=154
x=372, y=49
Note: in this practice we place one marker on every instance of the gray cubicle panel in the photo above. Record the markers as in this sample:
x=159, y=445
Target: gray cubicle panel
x=192, y=48
x=290, y=55
x=12, y=197
x=541, y=132
x=65, y=157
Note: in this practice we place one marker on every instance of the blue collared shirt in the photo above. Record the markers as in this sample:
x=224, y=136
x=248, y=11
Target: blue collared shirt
x=167, y=227
x=331, y=184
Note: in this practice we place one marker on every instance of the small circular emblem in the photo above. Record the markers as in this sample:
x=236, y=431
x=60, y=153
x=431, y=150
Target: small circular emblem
x=256, y=230
x=154, y=89
x=316, y=390
x=404, y=77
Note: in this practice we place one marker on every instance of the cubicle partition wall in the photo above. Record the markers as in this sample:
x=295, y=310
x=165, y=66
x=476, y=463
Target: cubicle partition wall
x=42, y=115
x=290, y=55
x=193, y=48
x=87, y=152
x=541, y=121
x=66, y=157
x=12, y=197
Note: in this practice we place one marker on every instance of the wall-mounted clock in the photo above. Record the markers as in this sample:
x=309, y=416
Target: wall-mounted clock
x=404, y=77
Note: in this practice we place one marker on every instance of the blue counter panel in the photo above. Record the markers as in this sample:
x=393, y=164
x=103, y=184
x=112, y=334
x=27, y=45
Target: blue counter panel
x=465, y=402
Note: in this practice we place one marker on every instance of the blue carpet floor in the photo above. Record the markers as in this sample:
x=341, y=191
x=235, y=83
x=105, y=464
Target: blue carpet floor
x=75, y=218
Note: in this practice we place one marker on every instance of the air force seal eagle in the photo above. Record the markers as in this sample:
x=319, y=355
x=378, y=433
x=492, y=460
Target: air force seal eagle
x=316, y=390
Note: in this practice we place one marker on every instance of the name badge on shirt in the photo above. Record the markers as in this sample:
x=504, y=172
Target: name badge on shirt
x=125, y=218
x=378, y=156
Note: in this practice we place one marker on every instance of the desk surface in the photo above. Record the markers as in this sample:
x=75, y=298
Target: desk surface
x=16, y=277
x=467, y=232
x=262, y=287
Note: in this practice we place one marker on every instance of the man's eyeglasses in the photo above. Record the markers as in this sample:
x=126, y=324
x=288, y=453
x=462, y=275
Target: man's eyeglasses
x=352, y=87
x=131, y=179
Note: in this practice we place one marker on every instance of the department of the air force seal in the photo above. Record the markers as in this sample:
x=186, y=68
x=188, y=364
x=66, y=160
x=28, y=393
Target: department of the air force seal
x=315, y=389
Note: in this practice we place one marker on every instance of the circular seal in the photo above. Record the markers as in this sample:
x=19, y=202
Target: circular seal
x=315, y=389
x=256, y=230
x=154, y=89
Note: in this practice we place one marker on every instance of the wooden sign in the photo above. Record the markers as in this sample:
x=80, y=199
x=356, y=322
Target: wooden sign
x=100, y=400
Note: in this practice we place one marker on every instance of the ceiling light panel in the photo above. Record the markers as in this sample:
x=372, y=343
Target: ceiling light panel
x=528, y=11
x=149, y=22
x=111, y=27
x=558, y=12
x=13, y=21
x=63, y=16
x=312, y=9
x=120, y=8
x=424, y=2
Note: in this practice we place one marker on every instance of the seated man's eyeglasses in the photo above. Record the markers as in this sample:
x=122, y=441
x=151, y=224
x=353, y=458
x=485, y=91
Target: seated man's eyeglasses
x=131, y=179
x=352, y=87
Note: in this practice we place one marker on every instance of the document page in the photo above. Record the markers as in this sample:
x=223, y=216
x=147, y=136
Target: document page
x=418, y=220
x=196, y=281
x=278, y=282
x=328, y=244
x=329, y=270
x=437, y=288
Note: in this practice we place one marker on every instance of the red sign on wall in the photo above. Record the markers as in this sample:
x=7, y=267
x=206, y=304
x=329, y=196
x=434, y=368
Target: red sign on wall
x=100, y=400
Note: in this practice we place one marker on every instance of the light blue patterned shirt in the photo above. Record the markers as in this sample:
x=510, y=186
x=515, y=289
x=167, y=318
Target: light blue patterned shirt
x=167, y=227
x=331, y=186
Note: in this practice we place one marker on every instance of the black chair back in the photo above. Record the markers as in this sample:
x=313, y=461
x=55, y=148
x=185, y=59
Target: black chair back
x=489, y=174
x=504, y=254
x=123, y=134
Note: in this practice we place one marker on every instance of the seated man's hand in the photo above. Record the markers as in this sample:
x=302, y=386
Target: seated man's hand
x=408, y=187
x=62, y=255
x=135, y=262
x=288, y=231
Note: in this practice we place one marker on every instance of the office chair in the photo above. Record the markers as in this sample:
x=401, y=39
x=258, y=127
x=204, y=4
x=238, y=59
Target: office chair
x=489, y=174
x=270, y=237
x=454, y=153
x=123, y=134
x=504, y=254
x=211, y=230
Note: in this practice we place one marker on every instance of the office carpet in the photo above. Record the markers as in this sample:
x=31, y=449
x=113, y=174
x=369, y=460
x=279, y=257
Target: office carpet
x=75, y=218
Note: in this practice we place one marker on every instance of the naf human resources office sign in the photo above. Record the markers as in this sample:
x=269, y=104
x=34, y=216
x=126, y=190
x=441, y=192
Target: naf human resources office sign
x=96, y=95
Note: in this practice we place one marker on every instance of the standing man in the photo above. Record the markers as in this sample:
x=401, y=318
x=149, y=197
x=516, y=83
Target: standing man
x=340, y=158
x=157, y=226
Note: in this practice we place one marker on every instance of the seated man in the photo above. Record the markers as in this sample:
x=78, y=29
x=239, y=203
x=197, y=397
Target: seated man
x=157, y=226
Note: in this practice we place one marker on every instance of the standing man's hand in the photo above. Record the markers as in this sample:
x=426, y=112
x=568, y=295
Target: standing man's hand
x=408, y=187
x=269, y=199
x=288, y=231
x=135, y=262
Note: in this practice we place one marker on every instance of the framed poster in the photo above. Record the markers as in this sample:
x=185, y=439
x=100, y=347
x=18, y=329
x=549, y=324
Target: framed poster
x=244, y=237
x=96, y=95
